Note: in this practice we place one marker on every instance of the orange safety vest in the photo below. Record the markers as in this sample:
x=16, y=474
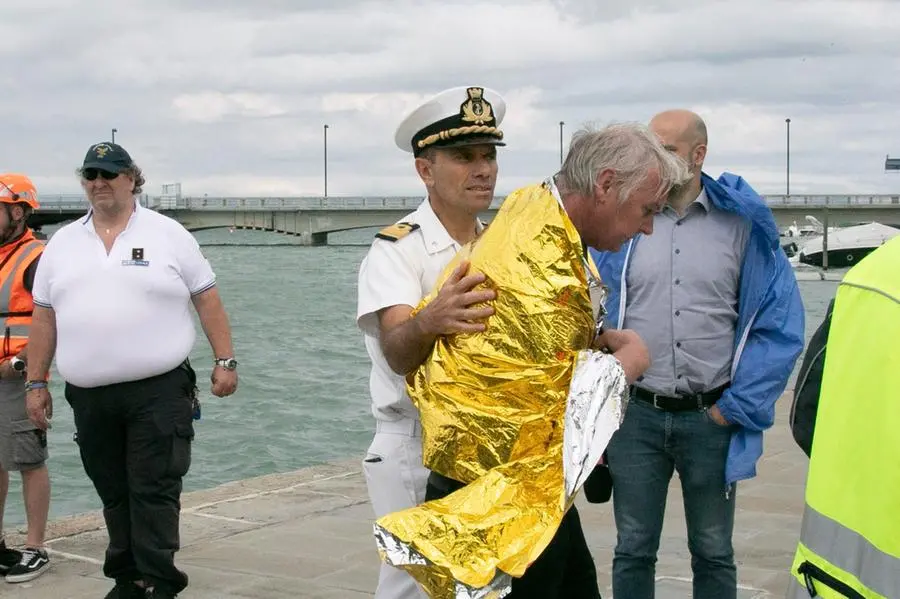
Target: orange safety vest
x=16, y=303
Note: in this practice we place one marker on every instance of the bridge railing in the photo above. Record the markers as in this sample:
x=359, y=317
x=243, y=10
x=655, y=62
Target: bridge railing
x=73, y=202
x=79, y=202
x=410, y=203
x=832, y=200
x=291, y=203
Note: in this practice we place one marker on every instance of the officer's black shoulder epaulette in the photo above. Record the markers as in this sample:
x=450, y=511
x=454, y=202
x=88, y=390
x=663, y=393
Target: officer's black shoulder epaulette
x=397, y=231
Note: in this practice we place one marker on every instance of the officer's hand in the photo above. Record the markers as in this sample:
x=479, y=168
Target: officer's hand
x=629, y=349
x=453, y=309
x=39, y=405
x=224, y=381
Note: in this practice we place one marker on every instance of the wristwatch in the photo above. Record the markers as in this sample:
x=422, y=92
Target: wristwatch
x=226, y=363
x=17, y=364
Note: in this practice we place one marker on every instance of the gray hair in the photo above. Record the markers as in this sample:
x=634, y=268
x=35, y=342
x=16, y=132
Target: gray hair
x=629, y=149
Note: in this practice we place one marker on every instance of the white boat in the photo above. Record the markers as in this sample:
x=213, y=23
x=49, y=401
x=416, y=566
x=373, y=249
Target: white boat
x=846, y=245
x=793, y=238
x=813, y=227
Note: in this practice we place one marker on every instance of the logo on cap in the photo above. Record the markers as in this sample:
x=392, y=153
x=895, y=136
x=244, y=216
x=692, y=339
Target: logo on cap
x=101, y=150
x=476, y=109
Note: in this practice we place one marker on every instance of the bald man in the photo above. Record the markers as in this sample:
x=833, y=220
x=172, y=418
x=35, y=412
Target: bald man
x=716, y=301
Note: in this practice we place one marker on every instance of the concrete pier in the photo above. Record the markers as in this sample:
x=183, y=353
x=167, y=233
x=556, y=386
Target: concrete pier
x=309, y=534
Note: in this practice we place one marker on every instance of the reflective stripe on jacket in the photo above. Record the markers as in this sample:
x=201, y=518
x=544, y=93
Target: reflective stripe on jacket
x=16, y=304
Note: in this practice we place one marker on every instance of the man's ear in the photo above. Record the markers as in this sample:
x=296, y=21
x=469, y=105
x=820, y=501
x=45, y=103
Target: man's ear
x=698, y=155
x=130, y=178
x=604, y=186
x=425, y=169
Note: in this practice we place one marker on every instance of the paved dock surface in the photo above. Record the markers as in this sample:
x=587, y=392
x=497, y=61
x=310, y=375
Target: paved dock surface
x=309, y=534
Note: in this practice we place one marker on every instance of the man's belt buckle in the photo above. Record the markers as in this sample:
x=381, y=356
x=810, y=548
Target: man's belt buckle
x=669, y=400
x=656, y=402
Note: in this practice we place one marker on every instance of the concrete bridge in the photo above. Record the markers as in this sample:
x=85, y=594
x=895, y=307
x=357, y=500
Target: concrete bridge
x=56, y=210
x=313, y=218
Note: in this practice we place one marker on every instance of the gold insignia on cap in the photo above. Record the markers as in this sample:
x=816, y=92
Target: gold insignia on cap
x=397, y=231
x=101, y=150
x=476, y=109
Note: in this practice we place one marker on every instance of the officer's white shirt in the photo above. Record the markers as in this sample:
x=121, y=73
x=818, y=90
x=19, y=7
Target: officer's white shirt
x=396, y=273
x=127, y=315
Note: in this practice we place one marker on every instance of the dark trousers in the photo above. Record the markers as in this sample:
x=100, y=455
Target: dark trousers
x=565, y=569
x=647, y=449
x=135, y=444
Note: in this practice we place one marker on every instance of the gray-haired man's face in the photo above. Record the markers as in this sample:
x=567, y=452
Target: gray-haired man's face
x=620, y=221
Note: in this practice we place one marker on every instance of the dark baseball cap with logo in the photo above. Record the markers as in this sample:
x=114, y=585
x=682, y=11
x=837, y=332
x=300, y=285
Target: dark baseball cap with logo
x=107, y=156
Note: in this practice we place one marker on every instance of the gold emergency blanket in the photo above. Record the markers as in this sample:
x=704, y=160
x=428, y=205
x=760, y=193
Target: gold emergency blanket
x=500, y=411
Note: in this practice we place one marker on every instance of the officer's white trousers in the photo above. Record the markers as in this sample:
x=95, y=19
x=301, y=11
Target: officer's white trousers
x=396, y=481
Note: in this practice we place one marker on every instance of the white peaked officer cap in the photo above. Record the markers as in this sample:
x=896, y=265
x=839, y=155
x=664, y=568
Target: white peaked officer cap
x=461, y=116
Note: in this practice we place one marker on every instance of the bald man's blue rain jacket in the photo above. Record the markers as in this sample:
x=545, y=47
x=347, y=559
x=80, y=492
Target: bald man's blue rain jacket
x=770, y=327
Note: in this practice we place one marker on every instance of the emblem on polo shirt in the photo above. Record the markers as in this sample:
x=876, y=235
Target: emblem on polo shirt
x=137, y=258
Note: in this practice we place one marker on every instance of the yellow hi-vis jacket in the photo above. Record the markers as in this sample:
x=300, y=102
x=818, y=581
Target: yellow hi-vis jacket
x=850, y=537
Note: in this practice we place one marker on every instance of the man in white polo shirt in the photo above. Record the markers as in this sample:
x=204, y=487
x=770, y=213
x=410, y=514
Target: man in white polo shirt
x=112, y=298
x=453, y=138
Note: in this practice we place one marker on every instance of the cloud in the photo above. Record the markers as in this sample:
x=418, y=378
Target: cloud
x=231, y=97
x=210, y=107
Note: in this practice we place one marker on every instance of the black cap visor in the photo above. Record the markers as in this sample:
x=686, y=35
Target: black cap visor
x=100, y=165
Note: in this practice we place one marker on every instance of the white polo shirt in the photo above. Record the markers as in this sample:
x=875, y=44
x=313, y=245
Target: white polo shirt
x=396, y=273
x=127, y=315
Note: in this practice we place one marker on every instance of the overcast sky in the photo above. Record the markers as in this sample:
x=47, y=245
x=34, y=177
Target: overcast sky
x=229, y=97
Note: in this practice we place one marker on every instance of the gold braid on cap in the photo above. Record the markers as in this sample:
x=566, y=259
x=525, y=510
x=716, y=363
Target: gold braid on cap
x=470, y=130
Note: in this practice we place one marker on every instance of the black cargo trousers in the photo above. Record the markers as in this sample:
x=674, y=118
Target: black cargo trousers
x=135, y=444
x=565, y=569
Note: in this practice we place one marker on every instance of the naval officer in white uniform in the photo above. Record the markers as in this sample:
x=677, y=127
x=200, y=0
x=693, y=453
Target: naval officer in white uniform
x=453, y=138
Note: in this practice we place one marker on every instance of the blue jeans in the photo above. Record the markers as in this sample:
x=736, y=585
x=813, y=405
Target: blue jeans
x=643, y=453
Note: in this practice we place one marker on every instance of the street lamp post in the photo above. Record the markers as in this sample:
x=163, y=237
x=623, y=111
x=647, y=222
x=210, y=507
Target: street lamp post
x=561, y=123
x=325, y=155
x=114, y=135
x=788, y=156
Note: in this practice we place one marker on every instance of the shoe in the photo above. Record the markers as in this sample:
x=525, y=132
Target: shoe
x=34, y=562
x=8, y=557
x=125, y=589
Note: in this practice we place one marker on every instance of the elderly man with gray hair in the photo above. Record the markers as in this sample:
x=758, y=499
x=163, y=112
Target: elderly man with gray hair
x=493, y=403
x=614, y=181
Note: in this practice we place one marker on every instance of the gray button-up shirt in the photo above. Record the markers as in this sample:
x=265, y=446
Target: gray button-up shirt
x=682, y=296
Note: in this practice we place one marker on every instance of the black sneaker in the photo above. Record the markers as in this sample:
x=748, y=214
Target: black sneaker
x=8, y=557
x=34, y=562
x=125, y=590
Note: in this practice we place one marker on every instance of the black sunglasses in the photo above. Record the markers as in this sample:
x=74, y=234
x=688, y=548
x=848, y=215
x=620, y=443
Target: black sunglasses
x=91, y=173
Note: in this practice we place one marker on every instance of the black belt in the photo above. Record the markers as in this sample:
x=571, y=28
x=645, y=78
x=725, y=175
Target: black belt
x=683, y=403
